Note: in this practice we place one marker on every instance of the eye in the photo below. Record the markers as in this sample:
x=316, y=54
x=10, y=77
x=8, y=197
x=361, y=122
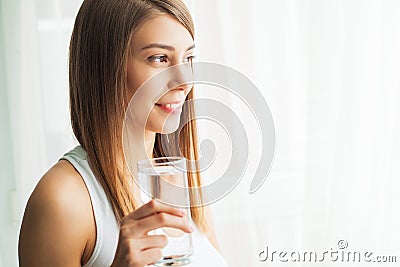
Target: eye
x=158, y=59
x=190, y=58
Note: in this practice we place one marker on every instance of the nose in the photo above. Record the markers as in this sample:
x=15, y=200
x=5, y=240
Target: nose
x=181, y=77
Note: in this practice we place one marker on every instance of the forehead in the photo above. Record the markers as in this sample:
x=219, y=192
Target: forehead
x=162, y=29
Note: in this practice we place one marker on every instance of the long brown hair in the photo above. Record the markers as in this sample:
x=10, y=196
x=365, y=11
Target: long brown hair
x=98, y=88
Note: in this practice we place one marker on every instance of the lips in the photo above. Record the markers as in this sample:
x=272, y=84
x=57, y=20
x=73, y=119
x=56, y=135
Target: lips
x=171, y=107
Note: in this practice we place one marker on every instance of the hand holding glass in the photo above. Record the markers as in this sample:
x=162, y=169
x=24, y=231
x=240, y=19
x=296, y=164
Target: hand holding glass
x=165, y=179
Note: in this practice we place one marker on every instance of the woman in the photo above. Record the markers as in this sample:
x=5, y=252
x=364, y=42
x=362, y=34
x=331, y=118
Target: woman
x=84, y=211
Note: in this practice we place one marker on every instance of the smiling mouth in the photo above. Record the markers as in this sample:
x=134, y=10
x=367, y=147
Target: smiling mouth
x=170, y=108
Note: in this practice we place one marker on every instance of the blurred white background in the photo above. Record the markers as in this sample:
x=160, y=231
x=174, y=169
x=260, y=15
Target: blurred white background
x=329, y=70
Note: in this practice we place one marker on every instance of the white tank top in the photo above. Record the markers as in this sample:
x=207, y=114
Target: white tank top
x=107, y=227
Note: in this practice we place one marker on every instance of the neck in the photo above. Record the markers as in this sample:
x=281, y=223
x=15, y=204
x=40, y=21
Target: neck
x=141, y=144
x=149, y=139
x=139, y=147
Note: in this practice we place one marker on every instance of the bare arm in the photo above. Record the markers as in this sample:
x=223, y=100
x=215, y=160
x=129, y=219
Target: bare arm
x=58, y=221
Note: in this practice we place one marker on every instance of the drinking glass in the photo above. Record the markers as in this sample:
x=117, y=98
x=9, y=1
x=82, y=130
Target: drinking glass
x=165, y=179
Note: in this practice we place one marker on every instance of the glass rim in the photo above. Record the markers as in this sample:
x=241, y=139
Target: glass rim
x=152, y=161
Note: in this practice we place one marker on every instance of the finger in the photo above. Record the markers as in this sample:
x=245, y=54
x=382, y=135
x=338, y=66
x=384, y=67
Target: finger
x=163, y=219
x=153, y=241
x=151, y=256
x=154, y=206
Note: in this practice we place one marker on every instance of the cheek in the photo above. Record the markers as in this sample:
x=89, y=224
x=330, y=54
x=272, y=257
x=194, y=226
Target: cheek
x=133, y=82
x=137, y=74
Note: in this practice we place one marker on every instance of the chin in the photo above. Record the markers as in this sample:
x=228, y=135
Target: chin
x=170, y=126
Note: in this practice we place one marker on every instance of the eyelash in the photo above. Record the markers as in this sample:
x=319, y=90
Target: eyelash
x=152, y=58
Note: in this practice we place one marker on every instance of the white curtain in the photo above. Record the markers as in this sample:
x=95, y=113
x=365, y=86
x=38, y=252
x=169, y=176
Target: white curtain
x=35, y=128
x=329, y=72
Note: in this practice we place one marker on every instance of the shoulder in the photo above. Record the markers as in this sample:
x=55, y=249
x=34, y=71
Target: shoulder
x=58, y=219
x=61, y=192
x=62, y=184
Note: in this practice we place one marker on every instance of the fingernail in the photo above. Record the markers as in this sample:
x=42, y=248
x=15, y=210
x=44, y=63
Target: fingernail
x=190, y=228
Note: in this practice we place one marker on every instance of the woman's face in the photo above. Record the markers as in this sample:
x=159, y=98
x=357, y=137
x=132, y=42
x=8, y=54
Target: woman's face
x=160, y=43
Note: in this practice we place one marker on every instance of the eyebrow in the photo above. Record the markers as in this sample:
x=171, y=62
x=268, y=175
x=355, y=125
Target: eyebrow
x=164, y=46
